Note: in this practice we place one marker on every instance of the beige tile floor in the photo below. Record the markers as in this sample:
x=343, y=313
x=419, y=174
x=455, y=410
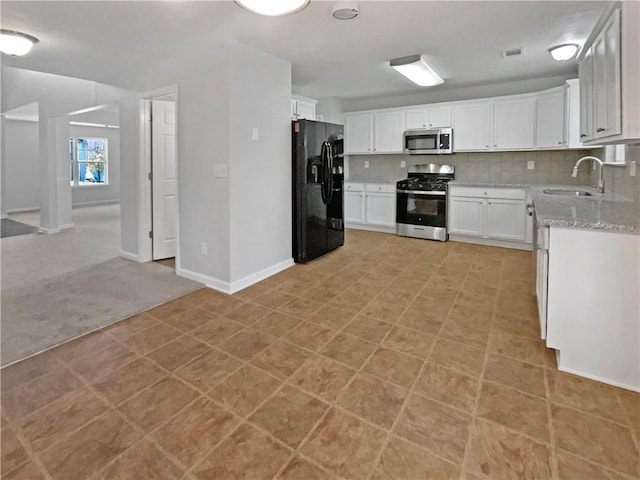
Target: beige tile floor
x=391, y=358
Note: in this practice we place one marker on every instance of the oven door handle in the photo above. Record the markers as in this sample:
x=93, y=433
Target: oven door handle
x=420, y=192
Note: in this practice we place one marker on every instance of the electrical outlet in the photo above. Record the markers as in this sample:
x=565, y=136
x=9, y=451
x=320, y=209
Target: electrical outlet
x=203, y=248
x=531, y=164
x=403, y=164
x=366, y=164
x=255, y=134
x=632, y=169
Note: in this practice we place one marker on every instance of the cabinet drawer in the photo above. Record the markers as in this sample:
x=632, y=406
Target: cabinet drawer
x=354, y=187
x=492, y=192
x=381, y=187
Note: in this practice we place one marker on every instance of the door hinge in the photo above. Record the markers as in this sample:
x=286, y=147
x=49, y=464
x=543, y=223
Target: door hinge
x=149, y=176
x=150, y=234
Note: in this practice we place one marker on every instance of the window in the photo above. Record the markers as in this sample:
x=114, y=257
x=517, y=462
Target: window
x=88, y=161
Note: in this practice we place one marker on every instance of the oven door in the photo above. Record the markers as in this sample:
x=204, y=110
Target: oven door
x=414, y=207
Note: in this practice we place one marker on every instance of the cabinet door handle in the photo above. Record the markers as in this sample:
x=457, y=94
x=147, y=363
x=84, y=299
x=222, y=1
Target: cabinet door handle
x=582, y=135
x=560, y=143
x=487, y=146
x=600, y=129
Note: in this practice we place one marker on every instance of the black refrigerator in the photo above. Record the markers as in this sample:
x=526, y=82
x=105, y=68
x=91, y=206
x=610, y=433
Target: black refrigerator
x=318, y=179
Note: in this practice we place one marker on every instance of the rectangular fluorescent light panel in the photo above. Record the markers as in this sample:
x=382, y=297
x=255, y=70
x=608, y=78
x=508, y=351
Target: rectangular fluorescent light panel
x=416, y=69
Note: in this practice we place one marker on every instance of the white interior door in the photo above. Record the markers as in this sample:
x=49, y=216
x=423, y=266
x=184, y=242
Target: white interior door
x=163, y=174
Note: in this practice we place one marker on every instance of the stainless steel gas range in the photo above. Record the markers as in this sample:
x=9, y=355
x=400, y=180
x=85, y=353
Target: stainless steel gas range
x=421, y=207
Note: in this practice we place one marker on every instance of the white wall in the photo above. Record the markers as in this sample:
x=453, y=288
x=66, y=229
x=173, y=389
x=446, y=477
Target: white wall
x=331, y=110
x=21, y=166
x=202, y=142
x=221, y=95
x=56, y=96
x=96, y=194
x=260, y=171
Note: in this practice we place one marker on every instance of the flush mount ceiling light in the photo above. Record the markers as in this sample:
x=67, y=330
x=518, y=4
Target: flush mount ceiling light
x=345, y=10
x=273, y=8
x=16, y=43
x=416, y=69
x=563, y=52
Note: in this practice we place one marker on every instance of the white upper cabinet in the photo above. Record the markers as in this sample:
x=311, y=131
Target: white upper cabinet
x=379, y=132
x=440, y=117
x=514, y=123
x=550, y=120
x=606, y=79
x=388, y=128
x=472, y=126
x=417, y=119
x=585, y=74
x=609, y=74
x=302, y=107
x=359, y=133
x=573, y=138
x=432, y=117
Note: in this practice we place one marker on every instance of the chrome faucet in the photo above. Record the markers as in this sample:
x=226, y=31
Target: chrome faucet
x=574, y=172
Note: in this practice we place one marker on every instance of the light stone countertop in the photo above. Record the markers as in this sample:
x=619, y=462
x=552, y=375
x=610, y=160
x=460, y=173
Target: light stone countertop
x=606, y=211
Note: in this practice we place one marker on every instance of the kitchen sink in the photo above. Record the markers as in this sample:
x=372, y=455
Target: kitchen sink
x=568, y=192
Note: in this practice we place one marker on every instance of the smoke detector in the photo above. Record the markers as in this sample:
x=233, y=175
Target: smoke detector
x=345, y=10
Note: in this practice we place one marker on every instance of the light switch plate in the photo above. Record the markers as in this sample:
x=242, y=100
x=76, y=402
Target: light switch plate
x=403, y=164
x=255, y=134
x=531, y=164
x=632, y=169
x=220, y=170
x=366, y=164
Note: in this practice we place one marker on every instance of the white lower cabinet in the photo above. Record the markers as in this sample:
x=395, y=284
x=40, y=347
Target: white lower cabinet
x=491, y=214
x=506, y=219
x=466, y=216
x=354, y=203
x=370, y=206
x=592, y=304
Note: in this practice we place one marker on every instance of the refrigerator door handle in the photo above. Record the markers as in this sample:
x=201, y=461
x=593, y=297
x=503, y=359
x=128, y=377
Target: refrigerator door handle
x=323, y=172
x=329, y=172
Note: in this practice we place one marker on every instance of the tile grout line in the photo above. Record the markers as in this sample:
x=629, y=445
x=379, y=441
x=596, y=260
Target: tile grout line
x=555, y=472
x=411, y=391
x=474, y=412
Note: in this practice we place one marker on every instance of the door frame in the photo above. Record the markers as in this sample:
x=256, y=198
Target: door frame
x=145, y=206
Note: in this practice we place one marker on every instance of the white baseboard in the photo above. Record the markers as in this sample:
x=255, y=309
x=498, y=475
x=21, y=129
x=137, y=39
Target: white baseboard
x=261, y=275
x=130, y=256
x=633, y=388
x=49, y=230
x=2, y=217
x=231, y=288
x=490, y=242
x=210, y=282
x=22, y=210
x=66, y=226
x=96, y=203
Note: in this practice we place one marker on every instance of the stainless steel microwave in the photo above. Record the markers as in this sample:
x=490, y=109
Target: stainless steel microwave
x=424, y=141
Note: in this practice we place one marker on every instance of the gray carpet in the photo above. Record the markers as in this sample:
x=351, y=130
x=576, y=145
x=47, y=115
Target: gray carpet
x=11, y=228
x=54, y=310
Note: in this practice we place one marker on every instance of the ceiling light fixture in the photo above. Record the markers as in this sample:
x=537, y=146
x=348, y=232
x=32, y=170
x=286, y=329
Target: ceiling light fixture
x=563, y=52
x=417, y=70
x=273, y=8
x=16, y=43
x=345, y=10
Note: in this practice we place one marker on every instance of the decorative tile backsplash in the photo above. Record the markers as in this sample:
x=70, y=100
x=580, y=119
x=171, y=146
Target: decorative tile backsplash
x=618, y=180
x=550, y=167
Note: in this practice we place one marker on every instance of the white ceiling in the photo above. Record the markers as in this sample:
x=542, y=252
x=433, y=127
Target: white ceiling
x=462, y=40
